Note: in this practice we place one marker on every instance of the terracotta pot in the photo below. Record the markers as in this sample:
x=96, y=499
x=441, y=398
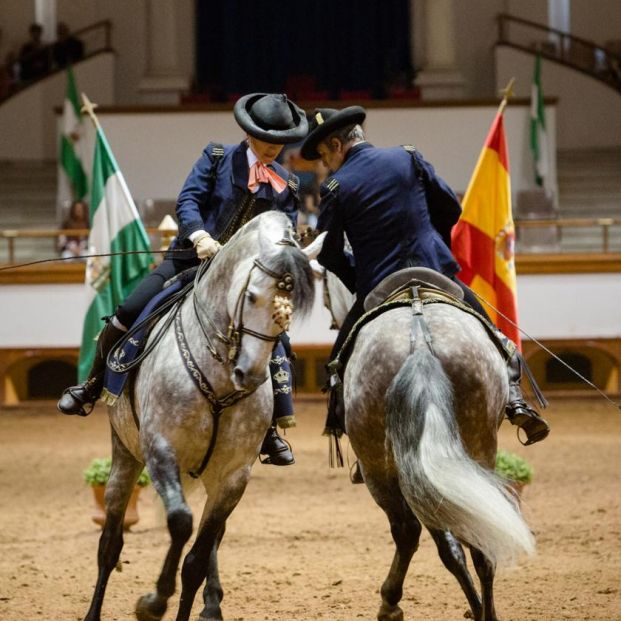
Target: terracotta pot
x=99, y=512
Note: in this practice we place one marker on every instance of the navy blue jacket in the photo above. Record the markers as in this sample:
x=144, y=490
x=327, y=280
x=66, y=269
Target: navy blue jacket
x=222, y=209
x=395, y=212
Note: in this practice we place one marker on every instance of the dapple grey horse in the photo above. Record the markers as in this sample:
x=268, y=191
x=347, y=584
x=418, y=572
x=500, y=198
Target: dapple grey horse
x=423, y=422
x=223, y=336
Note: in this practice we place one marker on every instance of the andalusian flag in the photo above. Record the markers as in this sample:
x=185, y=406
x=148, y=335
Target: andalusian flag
x=115, y=227
x=73, y=175
x=483, y=239
x=538, y=138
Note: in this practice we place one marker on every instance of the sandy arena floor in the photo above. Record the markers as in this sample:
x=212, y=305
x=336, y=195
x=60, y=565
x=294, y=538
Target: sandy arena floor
x=304, y=543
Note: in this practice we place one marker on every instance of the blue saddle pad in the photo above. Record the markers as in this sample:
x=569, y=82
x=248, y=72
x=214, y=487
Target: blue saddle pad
x=114, y=382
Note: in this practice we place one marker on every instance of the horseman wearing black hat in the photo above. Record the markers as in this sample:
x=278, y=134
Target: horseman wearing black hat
x=396, y=213
x=228, y=185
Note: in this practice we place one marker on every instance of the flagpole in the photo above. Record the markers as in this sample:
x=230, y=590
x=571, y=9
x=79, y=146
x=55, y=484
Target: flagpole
x=88, y=107
x=507, y=92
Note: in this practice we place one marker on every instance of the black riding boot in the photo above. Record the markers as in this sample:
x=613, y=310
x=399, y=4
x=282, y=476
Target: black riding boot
x=518, y=411
x=81, y=399
x=278, y=451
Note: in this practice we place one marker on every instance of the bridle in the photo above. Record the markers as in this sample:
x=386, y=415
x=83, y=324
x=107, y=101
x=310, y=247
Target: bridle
x=232, y=339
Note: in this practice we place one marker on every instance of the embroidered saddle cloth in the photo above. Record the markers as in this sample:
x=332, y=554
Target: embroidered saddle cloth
x=116, y=373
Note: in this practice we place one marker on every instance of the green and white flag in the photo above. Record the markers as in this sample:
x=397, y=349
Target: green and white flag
x=72, y=170
x=538, y=137
x=115, y=227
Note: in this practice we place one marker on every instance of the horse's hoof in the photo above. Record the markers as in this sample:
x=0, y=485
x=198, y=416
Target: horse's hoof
x=150, y=607
x=210, y=617
x=389, y=613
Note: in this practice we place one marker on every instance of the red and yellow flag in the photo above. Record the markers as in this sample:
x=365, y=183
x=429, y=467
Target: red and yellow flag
x=483, y=240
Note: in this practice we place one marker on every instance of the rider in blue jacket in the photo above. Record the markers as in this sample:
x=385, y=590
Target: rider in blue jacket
x=228, y=185
x=395, y=212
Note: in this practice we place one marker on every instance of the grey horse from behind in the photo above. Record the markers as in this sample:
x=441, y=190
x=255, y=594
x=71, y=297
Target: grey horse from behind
x=423, y=420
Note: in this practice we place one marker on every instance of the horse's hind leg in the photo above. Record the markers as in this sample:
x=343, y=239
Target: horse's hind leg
x=202, y=560
x=164, y=472
x=406, y=530
x=452, y=555
x=486, y=571
x=123, y=476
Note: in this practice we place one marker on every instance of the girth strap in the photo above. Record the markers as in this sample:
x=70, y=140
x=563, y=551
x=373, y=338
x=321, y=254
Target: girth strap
x=203, y=385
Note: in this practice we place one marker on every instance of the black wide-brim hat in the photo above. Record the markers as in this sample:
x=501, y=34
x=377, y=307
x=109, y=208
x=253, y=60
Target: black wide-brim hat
x=324, y=121
x=271, y=118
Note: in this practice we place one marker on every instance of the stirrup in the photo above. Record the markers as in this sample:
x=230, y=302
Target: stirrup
x=534, y=426
x=274, y=458
x=355, y=474
x=84, y=408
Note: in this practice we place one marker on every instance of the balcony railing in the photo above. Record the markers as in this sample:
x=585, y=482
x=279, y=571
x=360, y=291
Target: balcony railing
x=602, y=62
x=96, y=38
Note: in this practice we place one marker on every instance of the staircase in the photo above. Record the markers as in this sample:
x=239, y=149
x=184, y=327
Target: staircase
x=28, y=201
x=589, y=182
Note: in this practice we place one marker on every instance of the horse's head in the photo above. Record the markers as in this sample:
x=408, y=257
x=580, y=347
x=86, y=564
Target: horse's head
x=271, y=280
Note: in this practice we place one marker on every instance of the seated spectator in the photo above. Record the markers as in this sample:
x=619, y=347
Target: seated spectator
x=68, y=49
x=309, y=208
x=34, y=56
x=74, y=245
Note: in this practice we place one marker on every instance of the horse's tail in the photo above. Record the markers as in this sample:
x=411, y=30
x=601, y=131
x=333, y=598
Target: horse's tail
x=444, y=487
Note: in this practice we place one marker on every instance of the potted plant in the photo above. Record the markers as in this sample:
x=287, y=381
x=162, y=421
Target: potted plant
x=515, y=469
x=97, y=475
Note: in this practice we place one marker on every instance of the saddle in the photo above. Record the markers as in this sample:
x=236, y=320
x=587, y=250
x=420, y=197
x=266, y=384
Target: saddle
x=130, y=350
x=398, y=286
x=398, y=290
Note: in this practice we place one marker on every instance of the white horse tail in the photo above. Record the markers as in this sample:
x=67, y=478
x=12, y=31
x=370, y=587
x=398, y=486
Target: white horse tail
x=443, y=486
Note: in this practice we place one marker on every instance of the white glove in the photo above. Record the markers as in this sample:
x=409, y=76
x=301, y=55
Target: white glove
x=206, y=246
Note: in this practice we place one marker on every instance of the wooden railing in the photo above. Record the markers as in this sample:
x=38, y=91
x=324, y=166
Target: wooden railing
x=609, y=236
x=163, y=237
x=603, y=224
x=597, y=61
x=97, y=38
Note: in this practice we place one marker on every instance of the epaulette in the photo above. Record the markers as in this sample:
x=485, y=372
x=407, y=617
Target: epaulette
x=217, y=151
x=411, y=149
x=331, y=184
x=294, y=184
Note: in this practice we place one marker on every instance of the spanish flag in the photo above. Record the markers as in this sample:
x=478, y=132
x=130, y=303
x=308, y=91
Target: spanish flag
x=483, y=240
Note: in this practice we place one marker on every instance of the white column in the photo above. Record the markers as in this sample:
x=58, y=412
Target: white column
x=163, y=80
x=45, y=14
x=440, y=77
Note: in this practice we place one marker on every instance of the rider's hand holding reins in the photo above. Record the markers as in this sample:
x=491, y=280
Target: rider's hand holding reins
x=206, y=246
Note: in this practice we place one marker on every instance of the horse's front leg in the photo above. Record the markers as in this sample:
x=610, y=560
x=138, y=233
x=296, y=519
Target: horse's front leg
x=486, y=571
x=452, y=555
x=213, y=593
x=164, y=471
x=123, y=475
x=202, y=560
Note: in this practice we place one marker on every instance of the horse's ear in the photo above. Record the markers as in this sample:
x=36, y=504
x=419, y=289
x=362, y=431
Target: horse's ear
x=314, y=248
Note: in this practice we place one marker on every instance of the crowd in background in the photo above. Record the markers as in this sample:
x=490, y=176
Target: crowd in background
x=35, y=59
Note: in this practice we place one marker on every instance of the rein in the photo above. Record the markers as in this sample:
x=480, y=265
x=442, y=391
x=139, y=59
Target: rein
x=285, y=283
